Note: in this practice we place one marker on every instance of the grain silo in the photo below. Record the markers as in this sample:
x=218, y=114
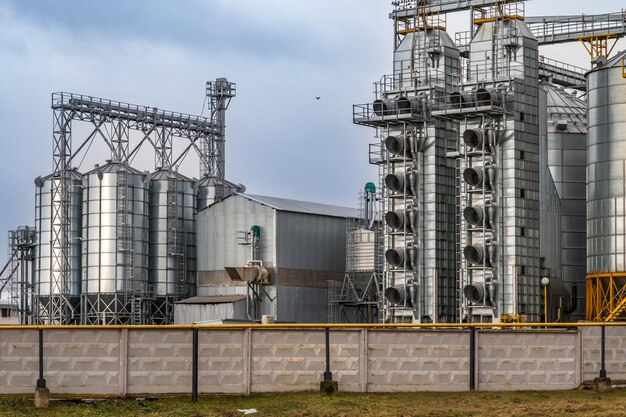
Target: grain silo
x=172, y=266
x=49, y=282
x=606, y=189
x=115, y=287
x=567, y=159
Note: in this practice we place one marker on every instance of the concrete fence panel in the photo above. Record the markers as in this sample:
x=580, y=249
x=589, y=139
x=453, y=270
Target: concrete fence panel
x=528, y=360
x=159, y=361
x=417, y=361
x=615, y=352
x=19, y=361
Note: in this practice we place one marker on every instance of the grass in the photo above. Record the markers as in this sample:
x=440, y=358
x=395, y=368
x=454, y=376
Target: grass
x=304, y=404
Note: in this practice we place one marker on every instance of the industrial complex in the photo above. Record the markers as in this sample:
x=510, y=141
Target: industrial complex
x=501, y=196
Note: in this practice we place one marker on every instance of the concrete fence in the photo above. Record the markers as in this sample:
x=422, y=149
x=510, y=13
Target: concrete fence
x=141, y=360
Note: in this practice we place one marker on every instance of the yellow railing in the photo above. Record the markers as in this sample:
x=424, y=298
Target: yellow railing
x=320, y=326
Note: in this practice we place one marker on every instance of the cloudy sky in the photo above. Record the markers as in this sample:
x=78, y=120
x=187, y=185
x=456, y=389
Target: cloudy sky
x=281, y=141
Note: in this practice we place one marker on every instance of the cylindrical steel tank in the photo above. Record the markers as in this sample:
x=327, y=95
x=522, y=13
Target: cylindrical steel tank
x=47, y=282
x=566, y=158
x=172, y=235
x=115, y=241
x=606, y=167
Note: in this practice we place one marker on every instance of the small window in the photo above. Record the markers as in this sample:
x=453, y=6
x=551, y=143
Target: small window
x=521, y=155
x=522, y=231
x=522, y=116
x=5, y=312
x=522, y=270
x=522, y=193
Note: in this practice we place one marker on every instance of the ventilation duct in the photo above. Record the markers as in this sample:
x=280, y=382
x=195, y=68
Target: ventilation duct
x=475, y=216
x=475, y=177
x=396, y=295
x=403, y=105
x=478, y=293
x=475, y=293
x=384, y=107
x=402, y=294
x=398, y=258
x=402, y=145
x=398, y=220
x=488, y=97
x=461, y=99
x=474, y=254
x=397, y=182
x=474, y=138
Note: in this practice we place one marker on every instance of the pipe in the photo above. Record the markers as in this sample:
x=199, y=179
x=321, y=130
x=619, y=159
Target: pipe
x=573, y=301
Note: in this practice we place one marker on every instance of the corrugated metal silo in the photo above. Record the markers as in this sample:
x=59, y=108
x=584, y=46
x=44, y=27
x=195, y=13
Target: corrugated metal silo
x=567, y=160
x=172, y=241
x=115, y=246
x=47, y=282
x=606, y=189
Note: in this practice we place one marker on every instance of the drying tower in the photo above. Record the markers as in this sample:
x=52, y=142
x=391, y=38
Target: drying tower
x=418, y=178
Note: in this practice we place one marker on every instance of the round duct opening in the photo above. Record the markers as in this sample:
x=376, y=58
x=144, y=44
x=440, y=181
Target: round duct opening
x=395, y=219
x=456, y=99
x=473, y=177
x=483, y=97
x=395, y=182
x=404, y=105
x=395, y=295
x=395, y=257
x=474, y=254
x=475, y=293
x=473, y=215
x=379, y=107
x=395, y=145
x=473, y=138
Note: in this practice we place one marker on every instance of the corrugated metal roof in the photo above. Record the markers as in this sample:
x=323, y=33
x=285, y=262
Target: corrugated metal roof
x=284, y=204
x=212, y=299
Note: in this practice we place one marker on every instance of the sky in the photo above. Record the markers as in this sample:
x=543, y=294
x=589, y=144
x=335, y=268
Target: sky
x=282, y=54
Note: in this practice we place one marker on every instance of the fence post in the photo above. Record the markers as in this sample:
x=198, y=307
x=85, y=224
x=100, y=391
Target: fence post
x=328, y=386
x=42, y=393
x=472, y=358
x=194, y=366
x=602, y=383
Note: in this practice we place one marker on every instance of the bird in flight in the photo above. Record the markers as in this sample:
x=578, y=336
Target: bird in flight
x=317, y=98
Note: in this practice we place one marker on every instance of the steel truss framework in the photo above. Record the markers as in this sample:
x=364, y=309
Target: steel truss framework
x=606, y=296
x=158, y=128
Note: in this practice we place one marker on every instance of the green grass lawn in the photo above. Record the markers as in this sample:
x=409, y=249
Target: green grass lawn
x=488, y=404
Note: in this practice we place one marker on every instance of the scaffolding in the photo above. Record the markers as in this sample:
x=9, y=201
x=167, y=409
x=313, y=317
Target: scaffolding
x=358, y=299
x=17, y=273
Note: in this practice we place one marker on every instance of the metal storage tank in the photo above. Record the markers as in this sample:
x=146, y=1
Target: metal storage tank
x=172, y=241
x=606, y=188
x=211, y=190
x=567, y=160
x=46, y=281
x=115, y=246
